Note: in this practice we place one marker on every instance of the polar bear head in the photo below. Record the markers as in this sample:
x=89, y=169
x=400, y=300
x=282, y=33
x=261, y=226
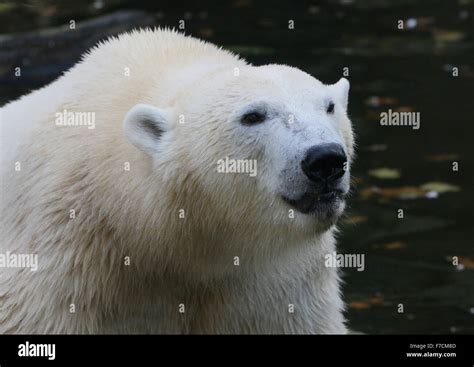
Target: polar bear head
x=268, y=144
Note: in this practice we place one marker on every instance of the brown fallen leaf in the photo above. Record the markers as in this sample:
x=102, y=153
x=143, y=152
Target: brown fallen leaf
x=397, y=245
x=376, y=301
x=364, y=304
x=468, y=262
x=359, y=305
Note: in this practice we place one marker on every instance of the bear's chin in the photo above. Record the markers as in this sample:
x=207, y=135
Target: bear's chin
x=325, y=209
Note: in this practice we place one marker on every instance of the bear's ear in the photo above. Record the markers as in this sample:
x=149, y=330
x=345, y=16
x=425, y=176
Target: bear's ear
x=341, y=91
x=143, y=126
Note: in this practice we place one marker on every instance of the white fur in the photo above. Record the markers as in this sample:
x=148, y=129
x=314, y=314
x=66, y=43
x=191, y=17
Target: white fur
x=136, y=213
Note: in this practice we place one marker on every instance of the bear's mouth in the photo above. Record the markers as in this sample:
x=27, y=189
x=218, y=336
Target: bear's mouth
x=318, y=203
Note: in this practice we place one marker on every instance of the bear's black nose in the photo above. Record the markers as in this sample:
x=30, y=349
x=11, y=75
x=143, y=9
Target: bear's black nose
x=324, y=164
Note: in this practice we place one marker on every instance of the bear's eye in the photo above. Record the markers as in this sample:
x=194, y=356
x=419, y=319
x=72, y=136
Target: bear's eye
x=252, y=118
x=330, y=108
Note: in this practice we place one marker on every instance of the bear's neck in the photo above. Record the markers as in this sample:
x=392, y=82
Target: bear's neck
x=190, y=239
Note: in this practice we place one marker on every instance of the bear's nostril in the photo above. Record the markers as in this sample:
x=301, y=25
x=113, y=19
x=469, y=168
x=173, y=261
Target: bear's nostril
x=324, y=163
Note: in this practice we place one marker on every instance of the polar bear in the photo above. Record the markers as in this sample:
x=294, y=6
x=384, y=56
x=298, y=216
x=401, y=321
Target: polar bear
x=110, y=177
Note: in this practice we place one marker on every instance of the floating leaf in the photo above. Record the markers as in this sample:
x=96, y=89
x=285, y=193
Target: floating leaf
x=442, y=157
x=376, y=301
x=385, y=173
x=241, y=3
x=404, y=192
x=441, y=35
x=439, y=187
x=376, y=147
x=430, y=190
x=397, y=245
x=206, y=32
x=467, y=262
x=404, y=109
x=375, y=101
x=359, y=305
x=362, y=305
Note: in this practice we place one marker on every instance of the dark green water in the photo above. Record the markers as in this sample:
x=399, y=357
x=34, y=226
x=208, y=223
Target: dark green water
x=408, y=261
